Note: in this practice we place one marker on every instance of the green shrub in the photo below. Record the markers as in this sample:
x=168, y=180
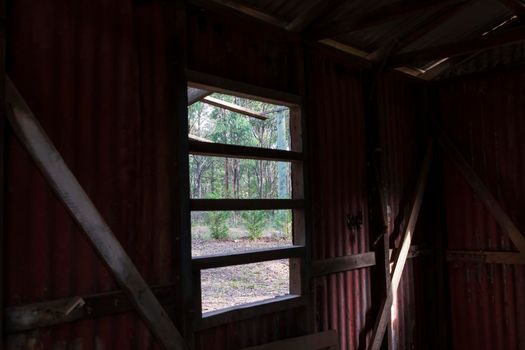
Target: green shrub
x=283, y=223
x=217, y=222
x=255, y=222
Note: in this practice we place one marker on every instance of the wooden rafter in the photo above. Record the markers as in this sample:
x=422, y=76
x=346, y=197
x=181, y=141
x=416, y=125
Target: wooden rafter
x=315, y=10
x=82, y=209
x=484, y=194
x=401, y=255
x=459, y=48
x=379, y=16
x=233, y=107
x=412, y=35
x=244, y=9
x=195, y=95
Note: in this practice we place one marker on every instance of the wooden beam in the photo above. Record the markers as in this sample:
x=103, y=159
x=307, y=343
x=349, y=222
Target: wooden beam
x=234, y=151
x=249, y=311
x=378, y=16
x=459, y=47
x=486, y=257
x=483, y=193
x=195, y=95
x=323, y=340
x=441, y=16
x=401, y=255
x=343, y=263
x=356, y=261
x=314, y=10
x=245, y=204
x=3, y=154
x=50, y=313
x=84, y=212
x=516, y=6
x=233, y=107
x=219, y=84
x=248, y=257
x=244, y=9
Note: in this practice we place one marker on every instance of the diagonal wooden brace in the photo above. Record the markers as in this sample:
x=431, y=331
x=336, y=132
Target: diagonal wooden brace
x=401, y=255
x=483, y=194
x=86, y=215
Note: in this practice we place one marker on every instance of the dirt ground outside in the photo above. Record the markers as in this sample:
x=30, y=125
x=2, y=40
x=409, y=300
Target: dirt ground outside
x=240, y=284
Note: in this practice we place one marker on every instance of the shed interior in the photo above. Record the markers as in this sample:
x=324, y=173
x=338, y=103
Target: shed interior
x=407, y=173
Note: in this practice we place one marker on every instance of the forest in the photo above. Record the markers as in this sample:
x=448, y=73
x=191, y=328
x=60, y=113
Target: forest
x=218, y=177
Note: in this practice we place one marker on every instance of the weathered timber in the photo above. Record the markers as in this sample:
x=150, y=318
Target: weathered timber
x=400, y=256
x=483, y=193
x=233, y=107
x=323, y=340
x=50, y=313
x=89, y=219
x=245, y=204
x=248, y=257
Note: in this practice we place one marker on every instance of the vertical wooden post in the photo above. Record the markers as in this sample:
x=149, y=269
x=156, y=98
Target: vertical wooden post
x=378, y=234
x=179, y=165
x=3, y=125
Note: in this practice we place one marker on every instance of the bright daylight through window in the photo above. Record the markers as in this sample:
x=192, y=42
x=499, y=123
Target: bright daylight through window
x=245, y=167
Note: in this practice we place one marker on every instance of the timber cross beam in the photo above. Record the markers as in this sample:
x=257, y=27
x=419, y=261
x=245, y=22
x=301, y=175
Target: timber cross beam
x=400, y=256
x=82, y=209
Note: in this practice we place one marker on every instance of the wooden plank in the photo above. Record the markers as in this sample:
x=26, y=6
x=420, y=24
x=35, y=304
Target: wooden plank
x=459, y=47
x=234, y=151
x=248, y=257
x=343, y=263
x=245, y=204
x=249, y=311
x=50, y=313
x=3, y=154
x=487, y=257
x=84, y=212
x=195, y=95
x=233, y=107
x=218, y=84
x=323, y=340
x=483, y=193
x=375, y=17
x=401, y=255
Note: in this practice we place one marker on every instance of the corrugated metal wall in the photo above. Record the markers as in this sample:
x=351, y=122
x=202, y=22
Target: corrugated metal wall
x=402, y=107
x=99, y=92
x=337, y=137
x=483, y=115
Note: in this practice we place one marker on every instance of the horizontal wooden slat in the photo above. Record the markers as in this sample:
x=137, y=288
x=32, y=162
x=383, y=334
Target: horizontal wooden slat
x=233, y=107
x=233, y=151
x=247, y=311
x=49, y=313
x=253, y=256
x=511, y=258
x=245, y=204
x=323, y=340
x=342, y=263
x=219, y=84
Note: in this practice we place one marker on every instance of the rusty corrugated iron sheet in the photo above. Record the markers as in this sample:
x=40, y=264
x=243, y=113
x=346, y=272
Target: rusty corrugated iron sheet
x=81, y=67
x=483, y=115
x=337, y=137
x=401, y=109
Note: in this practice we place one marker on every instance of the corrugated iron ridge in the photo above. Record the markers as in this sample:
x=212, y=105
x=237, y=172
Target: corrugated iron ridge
x=482, y=115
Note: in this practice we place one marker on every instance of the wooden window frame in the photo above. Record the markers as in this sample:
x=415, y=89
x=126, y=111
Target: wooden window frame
x=298, y=254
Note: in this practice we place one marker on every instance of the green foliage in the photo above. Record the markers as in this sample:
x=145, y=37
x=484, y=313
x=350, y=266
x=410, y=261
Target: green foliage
x=217, y=221
x=255, y=222
x=283, y=223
